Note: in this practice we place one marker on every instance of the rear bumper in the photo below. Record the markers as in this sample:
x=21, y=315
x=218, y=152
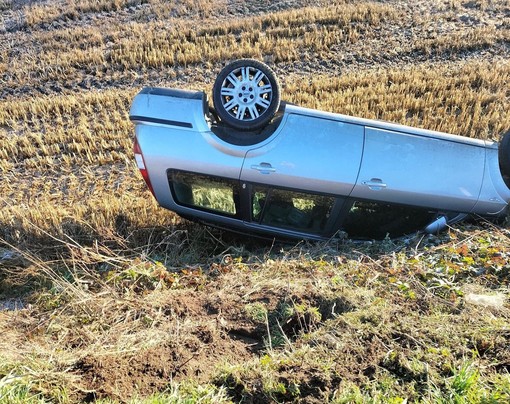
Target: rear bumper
x=170, y=107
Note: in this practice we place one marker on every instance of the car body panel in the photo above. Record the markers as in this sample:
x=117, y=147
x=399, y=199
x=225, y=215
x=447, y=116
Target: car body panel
x=373, y=123
x=291, y=161
x=494, y=194
x=420, y=171
x=171, y=107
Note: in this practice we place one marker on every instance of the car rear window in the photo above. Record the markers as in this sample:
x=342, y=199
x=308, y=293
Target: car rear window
x=204, y=192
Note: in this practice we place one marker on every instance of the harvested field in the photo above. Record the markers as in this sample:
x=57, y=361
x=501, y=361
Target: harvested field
x=105, y=297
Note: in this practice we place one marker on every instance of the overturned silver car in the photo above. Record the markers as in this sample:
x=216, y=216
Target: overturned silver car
x=262, y=167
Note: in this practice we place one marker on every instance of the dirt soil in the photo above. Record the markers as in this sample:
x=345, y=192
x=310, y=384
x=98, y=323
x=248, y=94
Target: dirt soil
x=215, y=330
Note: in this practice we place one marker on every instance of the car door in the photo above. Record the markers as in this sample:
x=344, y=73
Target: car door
x=309, y=154
x=419, y=170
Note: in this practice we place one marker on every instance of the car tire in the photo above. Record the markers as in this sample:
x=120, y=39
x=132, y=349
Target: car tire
x=246, y=94
x=504, y=158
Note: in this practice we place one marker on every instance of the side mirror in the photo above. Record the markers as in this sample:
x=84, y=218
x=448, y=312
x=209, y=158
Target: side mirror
x=436, y=226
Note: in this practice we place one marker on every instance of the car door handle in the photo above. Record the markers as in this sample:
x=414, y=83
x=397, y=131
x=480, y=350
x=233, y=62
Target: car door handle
x=375, y=184
x=263, y=168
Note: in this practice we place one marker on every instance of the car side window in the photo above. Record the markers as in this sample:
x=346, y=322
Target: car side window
x=291, y=210
x=205, y=192
x=376, y=220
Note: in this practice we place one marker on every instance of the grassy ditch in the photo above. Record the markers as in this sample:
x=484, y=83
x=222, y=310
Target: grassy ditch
x=422, y=319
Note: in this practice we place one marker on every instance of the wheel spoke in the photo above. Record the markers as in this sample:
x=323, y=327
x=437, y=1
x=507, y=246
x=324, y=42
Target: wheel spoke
x=233, y=79
x=231, y=104
x=240, y=113
x=258, y=77
x=245, y=74
x=266, y=89
x=253, y=112
x=228, y=91
x=263, y=102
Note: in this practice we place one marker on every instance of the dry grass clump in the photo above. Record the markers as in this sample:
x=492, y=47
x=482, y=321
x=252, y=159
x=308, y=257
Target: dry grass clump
x=202, y=8
x=67, y=160
x=456, y=42
x=485, y=5
x=152, y=40
x=98, y=308
x=102, y=52
x=336, y=321
x=393, y=331
x=100, y=315
x=88, y=128
x=283, y=35
x=5, y=4
x=37, y=14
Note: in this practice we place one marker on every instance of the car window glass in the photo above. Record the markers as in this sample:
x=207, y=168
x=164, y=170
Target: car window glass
x=206, y=192
x=376, y=220
x=293, y=210
x=258, y=201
